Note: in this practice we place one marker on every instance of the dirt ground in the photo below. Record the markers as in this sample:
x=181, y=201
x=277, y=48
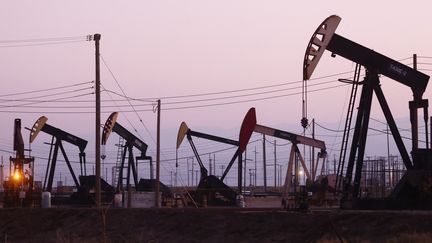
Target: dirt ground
x=211, y=225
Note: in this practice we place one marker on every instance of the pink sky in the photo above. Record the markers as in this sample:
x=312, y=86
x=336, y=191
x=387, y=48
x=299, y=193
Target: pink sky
x=170, y=48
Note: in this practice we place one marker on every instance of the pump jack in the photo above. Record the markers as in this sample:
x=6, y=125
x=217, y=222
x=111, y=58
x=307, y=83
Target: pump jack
x=409, y=192
x=295, y=152
x=59, y=136
x=19, y=188
x=132, y=141
x=210, y=185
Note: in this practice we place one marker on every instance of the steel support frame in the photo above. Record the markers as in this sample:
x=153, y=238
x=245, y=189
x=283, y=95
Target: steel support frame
x=237, y=154
x=128, y=148
x=360, y=130
x=204, y=172
x=58, y=145
x=371, y=85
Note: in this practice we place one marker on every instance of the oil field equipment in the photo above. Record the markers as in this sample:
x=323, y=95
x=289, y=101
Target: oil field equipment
x=132, y=141
x=18, y=190
x=295, y=154
x=59, y=136
x=414, y=190
x=86, y=184
x=210, y=187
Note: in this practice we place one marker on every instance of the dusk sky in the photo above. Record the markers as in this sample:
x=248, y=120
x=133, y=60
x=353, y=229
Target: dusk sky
x=248, y=52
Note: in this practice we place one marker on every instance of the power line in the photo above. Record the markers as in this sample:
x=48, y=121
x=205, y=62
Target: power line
x=84, y=37
x=329, y=129
x=248, y=89
x=52, y=112
x=41, y=44
x=130, y=123
x=244, y=95
x=272, y=143
x=189, y=107
x=40, y=101
x=129, y=99
x=48, y=89
x=133, y=108
x=250, y=100
x=41, y=41
x=228, y=97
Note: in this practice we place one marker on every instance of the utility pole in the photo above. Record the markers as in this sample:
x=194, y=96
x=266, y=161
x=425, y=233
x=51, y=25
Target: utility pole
x=244, y=169
x=210, y=164
x=250, y=178
x=240, y=174
x=388, y=150
x=158, y=154
x=313, y=153
x=275, y=176
x=171, y=178
x=176, y=171
x=255, y=176
x=187, y=170
x=334, y=164
x=264, y=164
x=192, y=172
x=222, y=170
x=425, y=110
x=97, y=38
x=280, y=175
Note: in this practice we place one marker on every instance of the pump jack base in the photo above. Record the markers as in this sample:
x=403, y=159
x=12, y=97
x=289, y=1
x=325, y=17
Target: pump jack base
x=413, y=192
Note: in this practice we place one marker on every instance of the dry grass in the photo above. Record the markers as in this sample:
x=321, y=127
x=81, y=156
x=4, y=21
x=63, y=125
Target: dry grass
x=210, y=225
x=411, y=237
x=399, y=238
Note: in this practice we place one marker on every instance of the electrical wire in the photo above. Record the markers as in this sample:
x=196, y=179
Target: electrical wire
x=43, y=101
x=229, y=97
x=281, y=145
x=127, y=119
x=247, y=89
x=44, y=39
x=44, y=90
x=41, y=44
x=53, y=112
x=193, y=106
x=249, y=100
x=129, y=99
x=123, y=92
x=41, y=41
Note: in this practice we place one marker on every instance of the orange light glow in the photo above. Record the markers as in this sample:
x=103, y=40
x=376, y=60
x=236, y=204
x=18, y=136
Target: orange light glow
x=16, y=176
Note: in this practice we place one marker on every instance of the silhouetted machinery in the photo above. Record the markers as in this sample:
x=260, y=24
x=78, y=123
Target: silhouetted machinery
x=111, y=125
x=210, y=187
x=18, y=190
x=86, y=184
x=59, y=136
x=414, y=190
x=291, y=193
